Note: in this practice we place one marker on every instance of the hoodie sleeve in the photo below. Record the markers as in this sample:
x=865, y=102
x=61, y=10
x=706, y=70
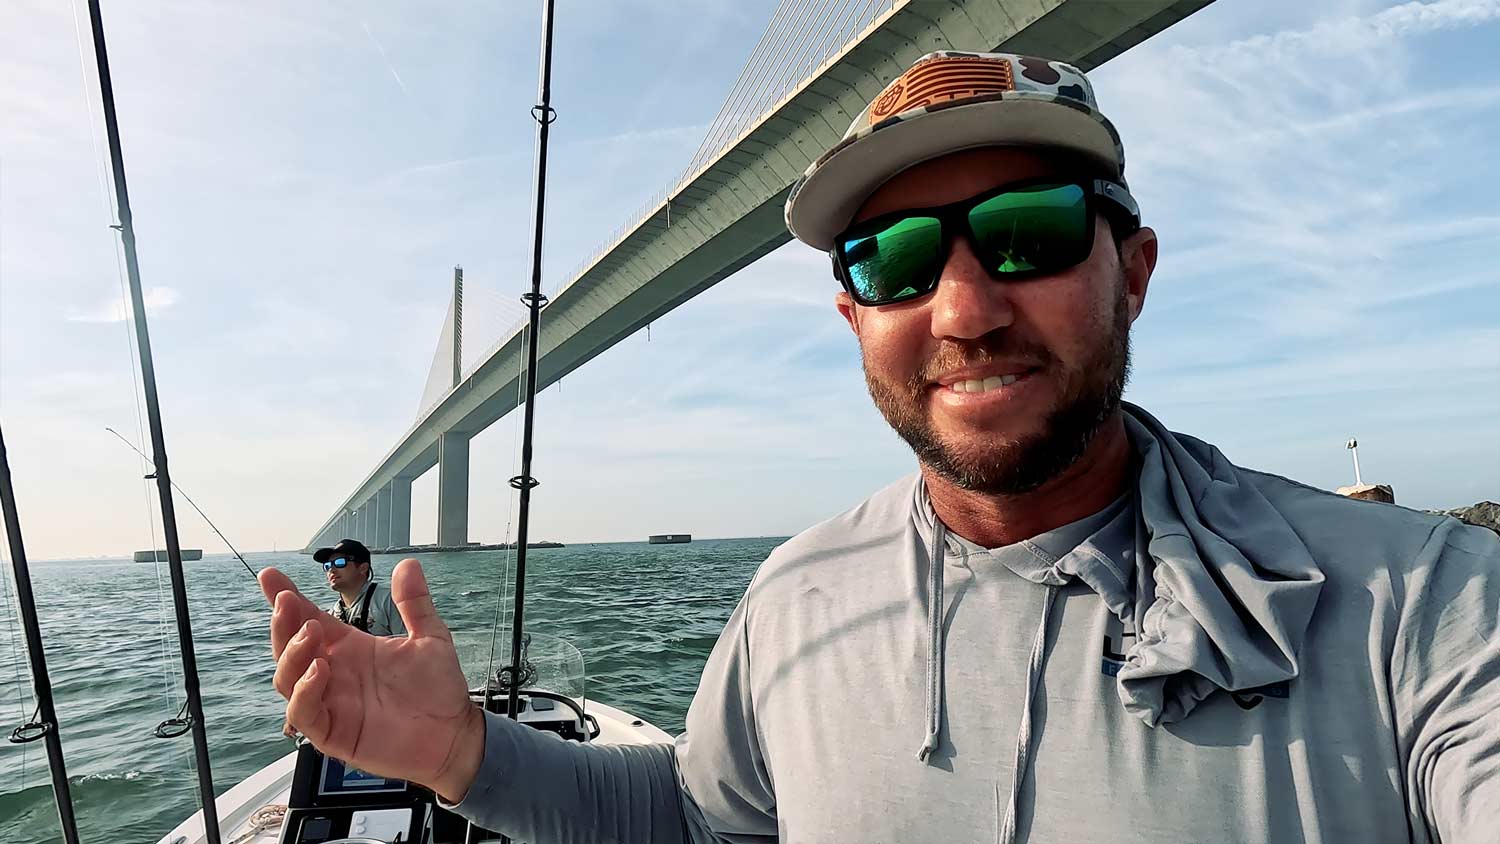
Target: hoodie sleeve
x=728, y=792
x=1445, y=677
x=534, y=786
x=711, y=788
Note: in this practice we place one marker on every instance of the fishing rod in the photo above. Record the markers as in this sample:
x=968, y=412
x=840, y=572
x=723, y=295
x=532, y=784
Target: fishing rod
x=43, y=724
x=194, y=703
x=191, y=503
x=544, y=115
x=524, y=482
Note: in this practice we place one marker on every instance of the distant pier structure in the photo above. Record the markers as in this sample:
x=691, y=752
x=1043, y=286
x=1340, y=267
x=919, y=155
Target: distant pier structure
x=160, y=555
x=670, y=538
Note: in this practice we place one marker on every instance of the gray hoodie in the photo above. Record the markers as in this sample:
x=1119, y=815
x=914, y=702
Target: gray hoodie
x=1221, y=655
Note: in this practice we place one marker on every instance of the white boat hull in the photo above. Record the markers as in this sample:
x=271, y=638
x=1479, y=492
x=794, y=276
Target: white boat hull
x=272, y=785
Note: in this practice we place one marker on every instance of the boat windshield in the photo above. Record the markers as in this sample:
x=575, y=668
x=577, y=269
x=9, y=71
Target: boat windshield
x=550, y=663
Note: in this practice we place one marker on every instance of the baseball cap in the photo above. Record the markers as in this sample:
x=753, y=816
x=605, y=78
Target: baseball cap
x=351, y=548
x=947, y=102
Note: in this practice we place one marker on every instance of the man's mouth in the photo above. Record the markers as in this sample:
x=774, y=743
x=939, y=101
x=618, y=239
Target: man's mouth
x=986, y=379
x=975, y=385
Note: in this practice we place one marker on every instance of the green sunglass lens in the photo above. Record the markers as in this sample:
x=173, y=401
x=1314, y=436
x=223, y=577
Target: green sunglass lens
x=1041, y=228
x=895, y=262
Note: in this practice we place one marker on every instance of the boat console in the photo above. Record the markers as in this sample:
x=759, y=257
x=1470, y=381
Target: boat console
x=333, y=802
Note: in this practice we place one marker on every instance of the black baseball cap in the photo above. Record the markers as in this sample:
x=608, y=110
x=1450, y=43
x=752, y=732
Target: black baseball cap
x=351, y=548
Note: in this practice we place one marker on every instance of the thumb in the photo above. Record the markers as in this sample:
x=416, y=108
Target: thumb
x=414, y=602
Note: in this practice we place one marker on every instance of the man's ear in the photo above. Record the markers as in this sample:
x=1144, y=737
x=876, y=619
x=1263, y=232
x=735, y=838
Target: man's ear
x=1137, y=263
x=848, y=310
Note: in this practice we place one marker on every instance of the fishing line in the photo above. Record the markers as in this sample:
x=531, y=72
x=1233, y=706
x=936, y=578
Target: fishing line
x=194, y=505
x=106, y=199
x=15, y=661
x=126, y=229
x=10, y=617
x=510, y=512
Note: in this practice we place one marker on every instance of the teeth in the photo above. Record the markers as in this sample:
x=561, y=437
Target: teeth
x=975, y=385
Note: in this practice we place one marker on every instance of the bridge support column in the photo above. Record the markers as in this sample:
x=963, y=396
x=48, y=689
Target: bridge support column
x=400, y=489
x=453, y=488
x=366, y=522
x=383, y=517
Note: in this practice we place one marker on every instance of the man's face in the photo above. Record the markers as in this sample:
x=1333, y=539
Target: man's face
x=352, y=574
x=1065, y=338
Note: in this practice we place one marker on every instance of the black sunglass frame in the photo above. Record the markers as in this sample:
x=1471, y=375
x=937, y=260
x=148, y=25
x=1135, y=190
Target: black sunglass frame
x=330, y=565
x=1100, y=196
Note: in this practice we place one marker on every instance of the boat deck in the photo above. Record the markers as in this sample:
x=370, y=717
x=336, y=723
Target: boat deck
x=252, y=811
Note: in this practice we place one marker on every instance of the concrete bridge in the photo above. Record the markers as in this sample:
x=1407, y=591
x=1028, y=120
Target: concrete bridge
x=815, y=69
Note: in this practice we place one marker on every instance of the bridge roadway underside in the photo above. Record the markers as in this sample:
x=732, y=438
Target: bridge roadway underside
x=720, y=219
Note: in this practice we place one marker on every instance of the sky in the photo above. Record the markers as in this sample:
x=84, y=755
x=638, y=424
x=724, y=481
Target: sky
x=304, y=177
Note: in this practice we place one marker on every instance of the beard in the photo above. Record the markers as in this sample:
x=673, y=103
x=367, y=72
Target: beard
x=997, y=465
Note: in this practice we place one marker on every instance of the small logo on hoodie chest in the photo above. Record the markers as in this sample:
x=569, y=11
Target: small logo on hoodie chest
x=1248, y=699
x=1118, y=639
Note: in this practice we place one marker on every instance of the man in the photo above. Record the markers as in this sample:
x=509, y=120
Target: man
x=1070, y=625
x=363, y=602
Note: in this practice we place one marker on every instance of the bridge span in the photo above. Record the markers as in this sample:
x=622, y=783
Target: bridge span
x=804, y=84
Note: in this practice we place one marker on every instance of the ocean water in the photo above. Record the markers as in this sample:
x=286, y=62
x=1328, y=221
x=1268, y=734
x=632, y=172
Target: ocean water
x=643, y=616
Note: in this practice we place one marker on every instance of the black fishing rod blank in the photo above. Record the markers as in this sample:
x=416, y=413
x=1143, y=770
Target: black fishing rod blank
x=544, y=115
x=44, y=724
x=194, y=703
x=524, y=482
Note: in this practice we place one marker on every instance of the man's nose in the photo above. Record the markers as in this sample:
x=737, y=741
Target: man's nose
x=969, y=303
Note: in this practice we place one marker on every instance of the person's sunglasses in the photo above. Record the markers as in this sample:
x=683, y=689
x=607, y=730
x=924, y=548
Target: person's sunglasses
x=337, y=563
x=1020, y=230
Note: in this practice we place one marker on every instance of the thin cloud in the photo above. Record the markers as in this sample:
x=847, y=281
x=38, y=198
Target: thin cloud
x=157, y=300
x=383, y=57
x=1355, y=34
x=1306, y=186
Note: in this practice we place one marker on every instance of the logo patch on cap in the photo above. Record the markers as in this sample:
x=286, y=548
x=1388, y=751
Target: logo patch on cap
x=943, y=79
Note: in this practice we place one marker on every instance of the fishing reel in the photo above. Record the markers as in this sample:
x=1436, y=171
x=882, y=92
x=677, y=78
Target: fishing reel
x=538, y=708
x=507, y=677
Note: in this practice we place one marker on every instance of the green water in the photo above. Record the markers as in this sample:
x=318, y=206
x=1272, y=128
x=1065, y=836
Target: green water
x=644, y=617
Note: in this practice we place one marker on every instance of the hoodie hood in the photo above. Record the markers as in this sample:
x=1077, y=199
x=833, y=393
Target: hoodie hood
x=1224, y=588
x=1220, y=589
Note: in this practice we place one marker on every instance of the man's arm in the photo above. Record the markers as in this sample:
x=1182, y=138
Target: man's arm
x=1446, y=685
x=398, y=706
x=534, y=786
x=712, y=788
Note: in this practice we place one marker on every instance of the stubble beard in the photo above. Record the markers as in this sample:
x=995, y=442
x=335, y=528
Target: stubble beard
x=1013, y=466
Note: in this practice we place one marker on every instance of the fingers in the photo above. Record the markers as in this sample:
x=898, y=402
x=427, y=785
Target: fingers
x=273, y=582
x=306, y=710
x=414, y=602
x=291, y=612
x=299, y=653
